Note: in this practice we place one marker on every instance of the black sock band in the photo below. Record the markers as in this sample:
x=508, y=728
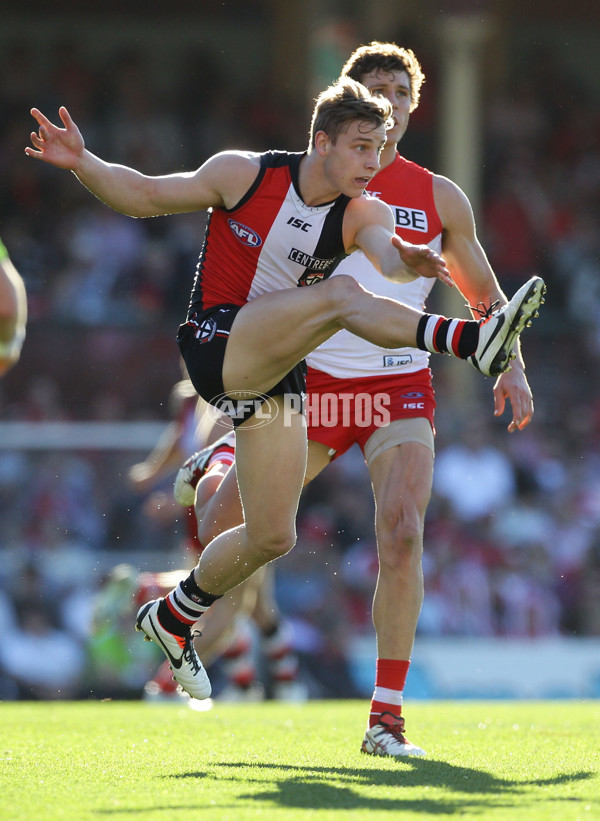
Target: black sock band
x=440, y=340
x=170, y=622
x=421, y=332
x=193, y=592
x=467, y=344
x=184, y=605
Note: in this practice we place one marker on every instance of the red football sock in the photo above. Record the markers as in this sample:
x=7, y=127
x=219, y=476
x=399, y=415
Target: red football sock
x=390, y=678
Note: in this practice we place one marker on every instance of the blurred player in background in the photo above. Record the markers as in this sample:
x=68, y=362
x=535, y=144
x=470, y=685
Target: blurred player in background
x=427, y=208
x=13, y=312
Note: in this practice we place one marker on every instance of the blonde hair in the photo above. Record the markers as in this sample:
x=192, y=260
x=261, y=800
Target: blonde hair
x=343, y=103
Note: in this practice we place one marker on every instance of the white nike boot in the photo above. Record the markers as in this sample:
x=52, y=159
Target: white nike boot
x=187, y=668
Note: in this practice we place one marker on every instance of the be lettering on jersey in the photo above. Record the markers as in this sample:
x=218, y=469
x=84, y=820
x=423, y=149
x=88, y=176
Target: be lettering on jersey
x=415, y=219
x=412, y=218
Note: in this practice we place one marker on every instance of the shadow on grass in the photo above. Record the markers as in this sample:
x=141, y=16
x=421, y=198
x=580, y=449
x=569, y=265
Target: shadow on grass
x=313, y=788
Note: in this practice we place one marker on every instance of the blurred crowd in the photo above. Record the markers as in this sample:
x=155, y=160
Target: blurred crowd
x=512, y=539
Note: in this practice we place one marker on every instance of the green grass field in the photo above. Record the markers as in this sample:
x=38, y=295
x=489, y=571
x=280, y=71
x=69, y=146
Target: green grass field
x=133, y=760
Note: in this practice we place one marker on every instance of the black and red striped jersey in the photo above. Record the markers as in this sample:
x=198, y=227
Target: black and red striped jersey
x=269, y=241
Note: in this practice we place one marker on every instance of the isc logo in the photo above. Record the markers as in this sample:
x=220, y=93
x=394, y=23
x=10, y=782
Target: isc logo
x=298, y=223
x=244, y=234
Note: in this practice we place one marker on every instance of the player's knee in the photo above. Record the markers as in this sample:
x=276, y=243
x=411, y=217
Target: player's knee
x=206, y=533
x=400, y=540
x=276, y=543
x=342, y=291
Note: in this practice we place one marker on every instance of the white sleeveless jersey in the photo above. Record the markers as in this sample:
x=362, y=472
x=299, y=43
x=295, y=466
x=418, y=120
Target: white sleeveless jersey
x=408, y=190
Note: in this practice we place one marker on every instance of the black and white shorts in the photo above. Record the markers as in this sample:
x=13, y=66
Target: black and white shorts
x=202, y=341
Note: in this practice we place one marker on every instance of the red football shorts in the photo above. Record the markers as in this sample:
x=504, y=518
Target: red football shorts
x=342, y=412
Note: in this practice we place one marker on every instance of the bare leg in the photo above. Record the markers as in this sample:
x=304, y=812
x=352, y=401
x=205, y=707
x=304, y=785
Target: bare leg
x=266, y=613
x=218, y=506
x=270, y=489
x=401, y=479
x=273, y=333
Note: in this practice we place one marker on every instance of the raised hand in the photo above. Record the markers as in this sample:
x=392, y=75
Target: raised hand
x=513, y=386
x=62, y=147
x=423, y=260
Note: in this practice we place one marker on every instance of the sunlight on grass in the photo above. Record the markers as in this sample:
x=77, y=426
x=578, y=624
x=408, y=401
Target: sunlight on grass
x=132, y=760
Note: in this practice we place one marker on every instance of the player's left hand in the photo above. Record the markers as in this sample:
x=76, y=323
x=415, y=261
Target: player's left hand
x=62, y=147
x=513, y=386
x=423, y=260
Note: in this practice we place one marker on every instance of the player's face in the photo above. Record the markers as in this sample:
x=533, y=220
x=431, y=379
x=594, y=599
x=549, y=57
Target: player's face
x=353, y=160
x=395, y=87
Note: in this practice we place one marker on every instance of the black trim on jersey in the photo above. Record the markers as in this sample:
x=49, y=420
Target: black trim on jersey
x=197, y=296
x=270, y=159
x=330, y=245
x=295, y=171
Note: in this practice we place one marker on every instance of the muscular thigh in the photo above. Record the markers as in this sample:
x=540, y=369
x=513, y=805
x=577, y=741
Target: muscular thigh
x=319, y=456
x=275, y=331
x=402, y=477
x=271, y=464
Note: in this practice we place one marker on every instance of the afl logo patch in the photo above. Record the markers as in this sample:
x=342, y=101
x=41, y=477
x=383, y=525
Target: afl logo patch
x=206, y=330
x=244, y=234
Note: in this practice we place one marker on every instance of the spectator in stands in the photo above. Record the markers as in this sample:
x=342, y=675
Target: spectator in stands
x=475, y=476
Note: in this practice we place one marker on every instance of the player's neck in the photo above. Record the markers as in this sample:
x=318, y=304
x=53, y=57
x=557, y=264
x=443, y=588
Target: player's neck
x=388, y=155
x=314, y=187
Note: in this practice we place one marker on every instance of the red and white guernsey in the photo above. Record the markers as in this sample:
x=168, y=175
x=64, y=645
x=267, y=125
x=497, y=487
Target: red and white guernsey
x=408, y=190
x=269, y=241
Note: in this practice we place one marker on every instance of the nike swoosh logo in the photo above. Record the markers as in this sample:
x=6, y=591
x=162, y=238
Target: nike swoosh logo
x=174, y=662
x=492, y=337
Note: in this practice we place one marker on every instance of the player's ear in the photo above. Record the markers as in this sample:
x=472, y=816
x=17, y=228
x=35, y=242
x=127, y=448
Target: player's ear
x=322, y=143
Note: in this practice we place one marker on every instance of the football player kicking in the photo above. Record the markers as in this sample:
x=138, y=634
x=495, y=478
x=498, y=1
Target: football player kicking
x=254, y=316
x=400, y=454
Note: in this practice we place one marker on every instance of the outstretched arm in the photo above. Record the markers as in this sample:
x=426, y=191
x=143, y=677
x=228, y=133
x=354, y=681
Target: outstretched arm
x=127, y=190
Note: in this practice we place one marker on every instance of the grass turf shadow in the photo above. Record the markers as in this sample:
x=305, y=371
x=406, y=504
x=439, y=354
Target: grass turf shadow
x=311, y=788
